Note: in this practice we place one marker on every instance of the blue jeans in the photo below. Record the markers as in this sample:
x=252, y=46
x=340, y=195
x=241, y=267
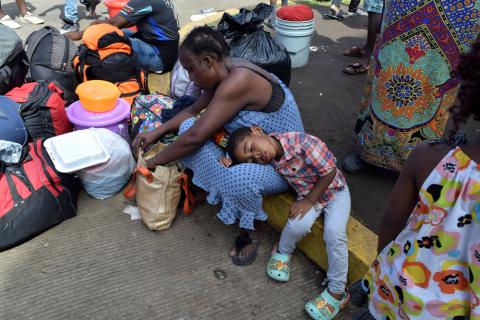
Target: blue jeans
x=145, y=55
x=70, y=10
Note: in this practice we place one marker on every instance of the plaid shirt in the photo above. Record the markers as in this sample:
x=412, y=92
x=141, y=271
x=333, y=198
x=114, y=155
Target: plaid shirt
x=305, y=159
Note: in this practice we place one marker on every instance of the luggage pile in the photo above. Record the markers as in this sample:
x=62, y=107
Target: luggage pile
x=40, y=173
x=65, y=119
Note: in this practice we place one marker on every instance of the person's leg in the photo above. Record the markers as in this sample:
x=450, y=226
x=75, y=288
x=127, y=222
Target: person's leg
x=333, y=299
x=353, y=6
x=70, y=11
x=273, y=15
x=295, y=230
x=6, y=20
x=145, y=55
x=337, y=213
x=22, y=7
x=26, y=16
x=361, y=67
x=2, y=14
x=374, y=20
x=335, y=7
x=279, y=266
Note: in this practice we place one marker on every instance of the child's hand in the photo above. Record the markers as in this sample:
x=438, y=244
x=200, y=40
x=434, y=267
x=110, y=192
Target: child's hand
x=299, y=208
x=227, y=162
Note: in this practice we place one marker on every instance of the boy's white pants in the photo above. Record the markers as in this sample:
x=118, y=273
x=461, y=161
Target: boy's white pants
x=336, y=214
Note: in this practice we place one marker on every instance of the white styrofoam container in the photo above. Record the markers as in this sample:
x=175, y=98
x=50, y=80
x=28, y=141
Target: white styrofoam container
x=76, y=150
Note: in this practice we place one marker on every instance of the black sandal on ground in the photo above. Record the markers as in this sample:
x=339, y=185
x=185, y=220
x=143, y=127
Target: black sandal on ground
x=240, y=243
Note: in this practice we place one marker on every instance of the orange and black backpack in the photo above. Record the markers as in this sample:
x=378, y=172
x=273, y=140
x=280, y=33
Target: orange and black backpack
x=106, y=54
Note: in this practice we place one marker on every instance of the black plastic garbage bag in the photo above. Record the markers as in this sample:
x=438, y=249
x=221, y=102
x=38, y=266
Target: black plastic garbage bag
x=244, y=22
x=249, y=41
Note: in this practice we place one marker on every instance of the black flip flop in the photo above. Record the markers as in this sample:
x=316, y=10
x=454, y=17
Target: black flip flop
x=240, y=243
x=333, y=16
x=355, y=69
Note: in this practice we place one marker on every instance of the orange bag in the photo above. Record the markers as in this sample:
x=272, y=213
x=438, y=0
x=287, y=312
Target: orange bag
x=106, y=54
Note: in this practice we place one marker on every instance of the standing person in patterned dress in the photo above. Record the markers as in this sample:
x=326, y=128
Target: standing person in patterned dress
x=412, y=80
x=429, y=242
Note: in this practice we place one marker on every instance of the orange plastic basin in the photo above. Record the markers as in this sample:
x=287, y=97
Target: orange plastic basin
x=98, y=95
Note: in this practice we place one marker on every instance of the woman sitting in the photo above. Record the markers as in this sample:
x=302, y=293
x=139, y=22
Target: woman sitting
x=235, y=93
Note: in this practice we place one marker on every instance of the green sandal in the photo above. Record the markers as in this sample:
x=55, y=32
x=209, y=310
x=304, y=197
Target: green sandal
x=326, y=307
x=278, y=267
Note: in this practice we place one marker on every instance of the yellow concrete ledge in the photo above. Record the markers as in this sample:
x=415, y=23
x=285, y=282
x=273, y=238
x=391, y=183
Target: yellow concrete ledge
x=362, y=242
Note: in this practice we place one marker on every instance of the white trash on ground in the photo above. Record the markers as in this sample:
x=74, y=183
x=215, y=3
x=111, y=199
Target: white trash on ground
x=133, y=212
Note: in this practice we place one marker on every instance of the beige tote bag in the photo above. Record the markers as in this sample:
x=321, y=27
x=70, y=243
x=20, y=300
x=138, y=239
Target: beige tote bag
x=157, y=192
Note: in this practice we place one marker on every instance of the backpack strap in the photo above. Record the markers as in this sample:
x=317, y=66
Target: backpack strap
x=34, y=39
x=13, y=189
x=80, y=66
x=5, y=74
x=190, y=201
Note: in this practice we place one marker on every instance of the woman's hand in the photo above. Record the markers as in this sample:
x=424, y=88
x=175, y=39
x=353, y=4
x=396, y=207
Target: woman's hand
x=299, y=208
x=144, y=140
x=74, y=35
x=151, y=163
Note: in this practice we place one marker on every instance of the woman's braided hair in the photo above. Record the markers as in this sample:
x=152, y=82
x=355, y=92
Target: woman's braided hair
x=468, y=103
x=205, y=40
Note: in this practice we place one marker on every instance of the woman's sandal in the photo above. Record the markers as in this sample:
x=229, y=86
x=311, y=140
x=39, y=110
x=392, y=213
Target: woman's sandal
x=355, y=69
x=240, y=243
x=326, y=307
x=278, y=267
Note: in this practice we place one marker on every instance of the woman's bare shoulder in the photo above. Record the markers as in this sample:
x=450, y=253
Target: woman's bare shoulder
x=243, y=66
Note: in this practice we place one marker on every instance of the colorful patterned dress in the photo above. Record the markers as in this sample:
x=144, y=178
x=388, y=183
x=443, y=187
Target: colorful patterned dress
x=410, y=84
x=432, y=269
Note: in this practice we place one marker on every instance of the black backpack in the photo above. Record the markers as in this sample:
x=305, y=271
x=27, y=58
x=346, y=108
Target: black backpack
x=50, y=56
x=12, y=60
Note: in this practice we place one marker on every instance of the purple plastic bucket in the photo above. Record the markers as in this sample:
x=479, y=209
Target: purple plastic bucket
x=115, y=120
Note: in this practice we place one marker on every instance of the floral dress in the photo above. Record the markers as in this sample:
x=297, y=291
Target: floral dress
x=432, y=269
x=411, y=82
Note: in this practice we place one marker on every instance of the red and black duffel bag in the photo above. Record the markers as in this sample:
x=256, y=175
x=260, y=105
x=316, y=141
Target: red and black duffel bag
x=34, y=196
x=42, y=109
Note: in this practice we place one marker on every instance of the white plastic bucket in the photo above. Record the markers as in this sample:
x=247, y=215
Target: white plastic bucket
x=296, y=37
